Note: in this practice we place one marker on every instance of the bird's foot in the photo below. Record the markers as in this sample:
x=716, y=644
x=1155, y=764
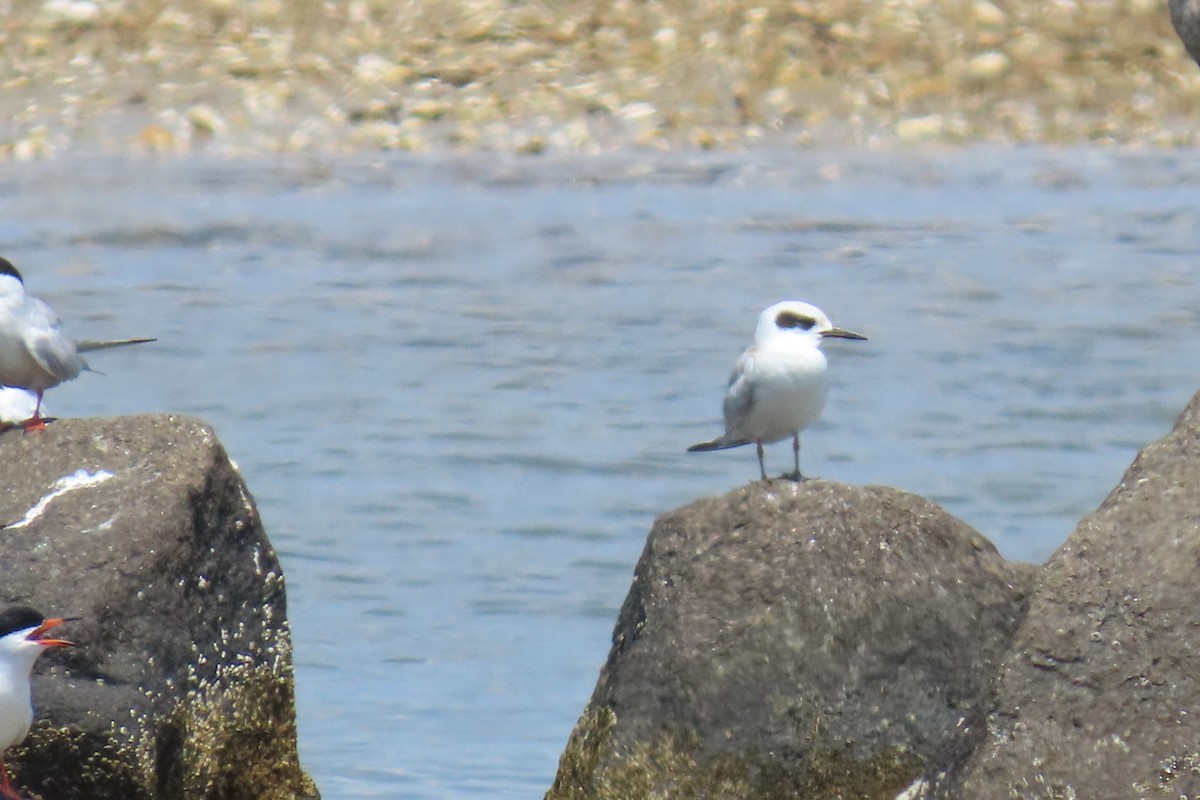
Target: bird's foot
x=795, y=477
x=7, y=790
x=36, y=423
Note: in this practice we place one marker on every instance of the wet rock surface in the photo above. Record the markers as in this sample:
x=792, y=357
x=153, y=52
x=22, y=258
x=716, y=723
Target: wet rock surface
x=797, y=640
x=183, y=687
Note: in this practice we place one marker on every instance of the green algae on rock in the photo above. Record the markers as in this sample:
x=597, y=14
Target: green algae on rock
x=674, y=767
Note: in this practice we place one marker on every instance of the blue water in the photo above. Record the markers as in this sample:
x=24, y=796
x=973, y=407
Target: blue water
x=460, y=389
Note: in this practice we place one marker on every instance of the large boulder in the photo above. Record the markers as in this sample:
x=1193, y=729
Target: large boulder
x=1100, y=696
x=183, y=687
x=798, y=640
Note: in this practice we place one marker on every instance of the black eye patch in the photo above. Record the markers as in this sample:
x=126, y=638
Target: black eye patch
x=790, y=319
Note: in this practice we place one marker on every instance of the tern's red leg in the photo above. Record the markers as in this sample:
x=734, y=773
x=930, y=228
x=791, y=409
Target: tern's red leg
x=6, y=788
x=35, y=423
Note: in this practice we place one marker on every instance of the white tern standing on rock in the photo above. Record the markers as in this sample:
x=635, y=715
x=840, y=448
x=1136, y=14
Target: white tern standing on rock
x=778, y=386
x=21, y=642
x=34, y=353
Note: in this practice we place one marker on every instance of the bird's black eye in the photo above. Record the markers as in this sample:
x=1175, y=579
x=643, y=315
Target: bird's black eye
x=790, y=319
x=6, y=268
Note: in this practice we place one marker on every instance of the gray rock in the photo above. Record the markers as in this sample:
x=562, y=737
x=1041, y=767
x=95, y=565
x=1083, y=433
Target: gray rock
x=811, y=640
x=1100, y=697
x=183, y=687
x=1185, y=16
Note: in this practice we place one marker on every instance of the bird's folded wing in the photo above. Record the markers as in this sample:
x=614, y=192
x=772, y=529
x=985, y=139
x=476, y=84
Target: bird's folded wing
x=55, y=354
x=739, y=399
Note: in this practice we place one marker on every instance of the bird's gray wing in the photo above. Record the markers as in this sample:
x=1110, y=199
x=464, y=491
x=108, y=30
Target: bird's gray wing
x=44, y=340
x=739, y=397
x=57, y=356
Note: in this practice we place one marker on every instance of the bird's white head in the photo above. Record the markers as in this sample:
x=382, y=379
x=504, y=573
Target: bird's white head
x=11, y=282
x=797, y=319
x=23, y=635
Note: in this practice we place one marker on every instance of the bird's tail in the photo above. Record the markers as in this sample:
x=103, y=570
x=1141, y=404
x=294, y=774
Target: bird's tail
x=90, y=345
x=720, y=443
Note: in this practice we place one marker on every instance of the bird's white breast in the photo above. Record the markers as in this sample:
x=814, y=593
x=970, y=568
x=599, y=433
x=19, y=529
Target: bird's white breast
x=789, y=387
x=17, y=366
x=16, y=709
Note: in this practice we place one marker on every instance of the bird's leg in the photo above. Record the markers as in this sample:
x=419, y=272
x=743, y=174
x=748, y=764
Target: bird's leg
x=795, y=476
x=6, y=788
x=761, y=467
x=35, y=423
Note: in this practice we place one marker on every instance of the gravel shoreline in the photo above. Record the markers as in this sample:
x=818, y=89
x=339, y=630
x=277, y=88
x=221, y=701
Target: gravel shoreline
x=250, y=78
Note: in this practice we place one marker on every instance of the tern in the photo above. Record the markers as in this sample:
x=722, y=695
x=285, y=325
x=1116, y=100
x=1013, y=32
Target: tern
x=22, y=640
x=34, y=352
x=778, y=386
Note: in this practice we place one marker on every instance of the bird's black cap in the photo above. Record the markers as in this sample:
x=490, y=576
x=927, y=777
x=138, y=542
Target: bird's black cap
x=18, y=618
x=7, y=268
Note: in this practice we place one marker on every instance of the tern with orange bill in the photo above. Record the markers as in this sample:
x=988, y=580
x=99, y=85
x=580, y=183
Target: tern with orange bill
x=23, y=637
